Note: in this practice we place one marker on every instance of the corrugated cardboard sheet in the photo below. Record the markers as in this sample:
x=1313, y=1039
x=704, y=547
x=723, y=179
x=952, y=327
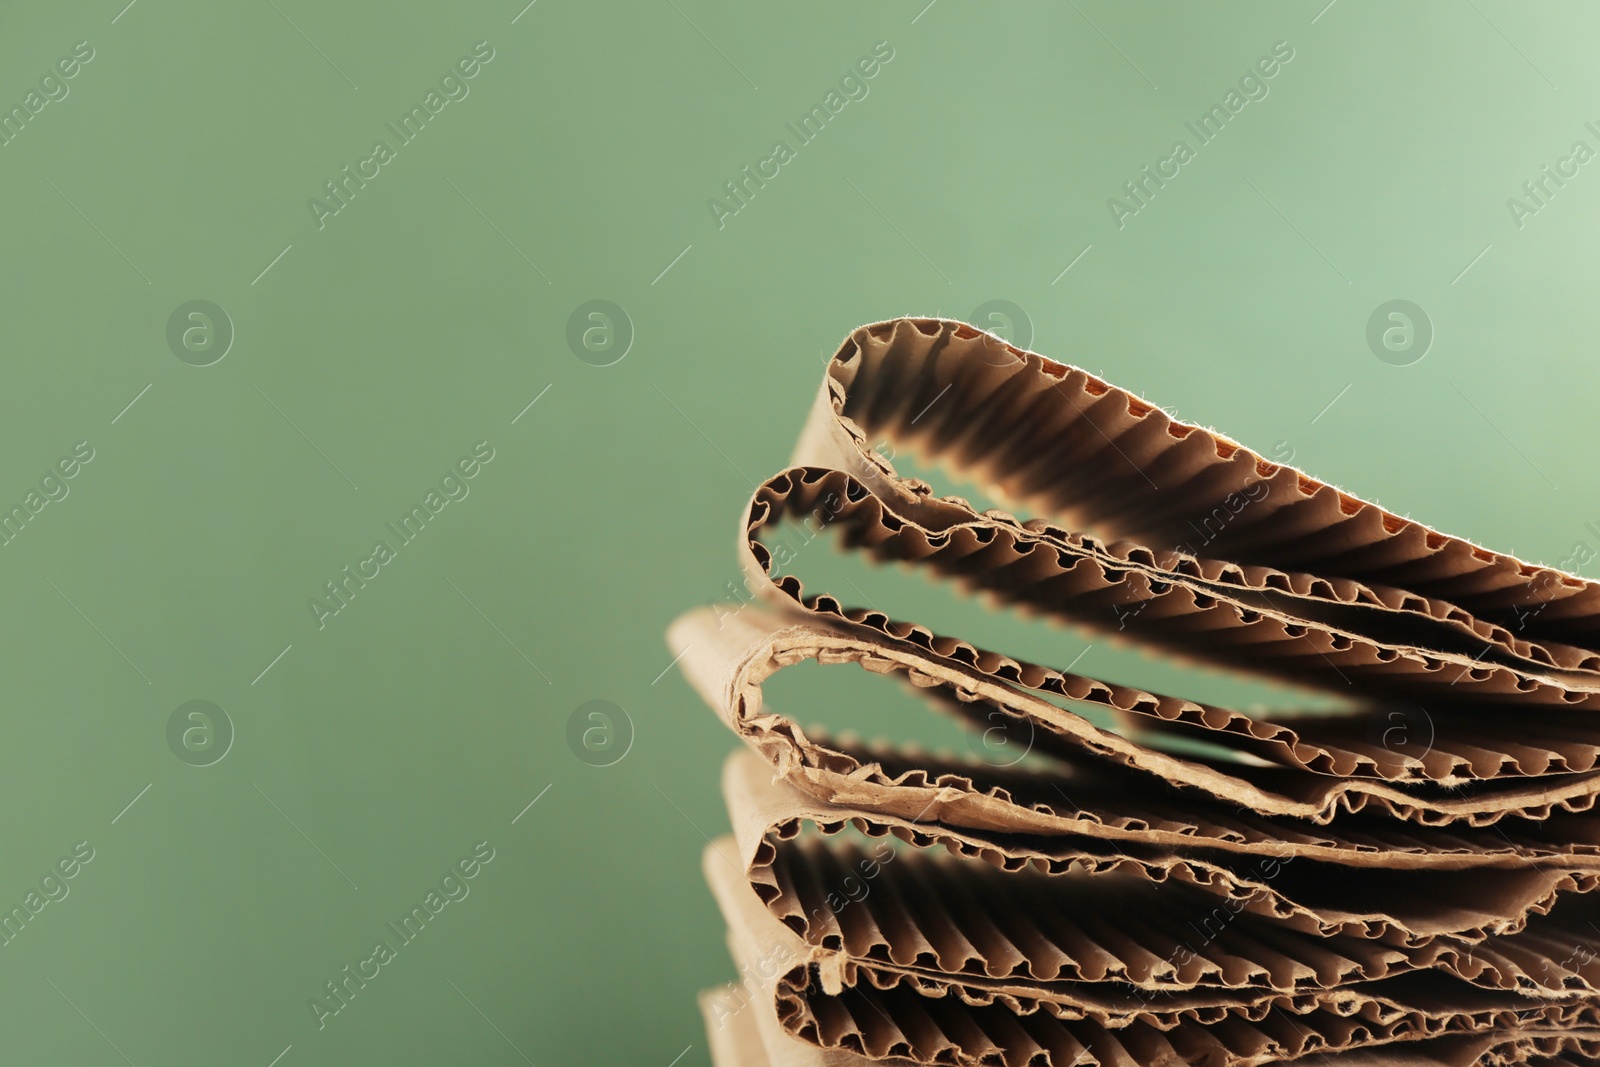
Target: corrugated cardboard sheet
x=1296, y=887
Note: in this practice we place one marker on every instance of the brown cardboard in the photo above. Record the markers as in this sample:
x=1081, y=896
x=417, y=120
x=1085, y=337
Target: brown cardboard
x=1320, y=899
x=878, y=1010
x=1064, y=578
x=727, y=657
x=1351, y=902
x=743, y=1047
x=1067, y=444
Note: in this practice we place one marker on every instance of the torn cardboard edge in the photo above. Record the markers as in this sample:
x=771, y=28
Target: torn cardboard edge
x=728, y=656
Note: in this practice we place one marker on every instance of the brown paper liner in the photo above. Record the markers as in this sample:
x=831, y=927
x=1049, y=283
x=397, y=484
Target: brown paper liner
x=1408, y=911
x=728, y=656
x=1071, y=583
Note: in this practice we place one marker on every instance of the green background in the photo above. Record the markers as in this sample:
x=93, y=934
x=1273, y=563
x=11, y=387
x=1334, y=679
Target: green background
x=431, y=310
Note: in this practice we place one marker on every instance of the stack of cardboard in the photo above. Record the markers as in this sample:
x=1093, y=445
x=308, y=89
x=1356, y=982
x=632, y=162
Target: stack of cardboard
x=1143, y=879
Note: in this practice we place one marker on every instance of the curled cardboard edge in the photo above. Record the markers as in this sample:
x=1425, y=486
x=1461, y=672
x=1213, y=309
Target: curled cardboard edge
x=1162, y=474
x=1291, y=532
x=1033, y=942
x=744, y=1047
x=744, y=1040
x=1067, y=582
x=931, y=1027
x=766, y=812
x=817, y=901
x=727, y=656
x=746, y=1034
x=1557, y=743
x=1111, y=808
